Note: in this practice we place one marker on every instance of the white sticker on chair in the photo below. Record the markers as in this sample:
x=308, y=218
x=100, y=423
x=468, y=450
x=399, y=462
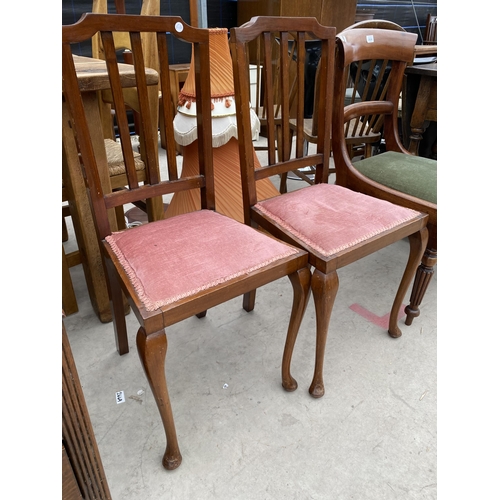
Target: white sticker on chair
x=369, y=39
x=120, y=397
x=179, y=27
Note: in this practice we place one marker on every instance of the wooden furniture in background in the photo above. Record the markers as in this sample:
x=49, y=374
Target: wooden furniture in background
x=83, y=475
x=395, y=175
x=178, y=75
x=123, y=44
x=431, y=30
x=93, y=77
x=338, y=13
x=69, y=302
x=420, y=104
x=329, y=221
x=175, y=268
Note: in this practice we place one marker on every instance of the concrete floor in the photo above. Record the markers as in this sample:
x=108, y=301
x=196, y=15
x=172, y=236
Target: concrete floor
x=372, y=436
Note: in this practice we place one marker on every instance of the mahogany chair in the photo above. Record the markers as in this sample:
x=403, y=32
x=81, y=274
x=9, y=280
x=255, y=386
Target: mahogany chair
x=364, y=133
x=336, y=226
x=395, y=175
x=171, y=269
x=366, y=82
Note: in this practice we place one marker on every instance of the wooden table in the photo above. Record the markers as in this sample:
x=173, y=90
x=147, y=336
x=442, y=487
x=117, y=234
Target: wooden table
x=420, y=101
x=92, y=77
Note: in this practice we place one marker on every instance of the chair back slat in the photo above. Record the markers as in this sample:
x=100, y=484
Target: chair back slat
x=160, y=180
x=120, y=107
x=168, y=106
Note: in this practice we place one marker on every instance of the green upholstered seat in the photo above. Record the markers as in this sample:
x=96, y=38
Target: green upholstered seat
x=409, y=174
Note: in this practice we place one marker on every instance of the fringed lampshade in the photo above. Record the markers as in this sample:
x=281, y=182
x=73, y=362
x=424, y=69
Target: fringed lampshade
x=228, y=197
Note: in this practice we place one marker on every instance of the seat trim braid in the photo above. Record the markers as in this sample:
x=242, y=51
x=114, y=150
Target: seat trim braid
x=207, y=248
x=330, y=218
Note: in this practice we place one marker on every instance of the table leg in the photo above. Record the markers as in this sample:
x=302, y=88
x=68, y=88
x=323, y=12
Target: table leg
x=419, y=114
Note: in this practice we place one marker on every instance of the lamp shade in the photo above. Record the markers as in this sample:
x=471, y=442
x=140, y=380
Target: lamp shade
x=222, y=91
x=226, y=163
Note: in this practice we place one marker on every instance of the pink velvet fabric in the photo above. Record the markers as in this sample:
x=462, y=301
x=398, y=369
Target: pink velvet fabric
x=331, y=218
x=180, y=256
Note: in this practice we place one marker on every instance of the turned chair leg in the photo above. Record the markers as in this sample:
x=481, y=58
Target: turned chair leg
x=301, y=283
x=418, y=242
x=324, y=288
x=152, y=350
x=422, y=278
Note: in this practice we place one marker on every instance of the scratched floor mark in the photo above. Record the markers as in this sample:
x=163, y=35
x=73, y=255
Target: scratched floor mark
x=381, y=321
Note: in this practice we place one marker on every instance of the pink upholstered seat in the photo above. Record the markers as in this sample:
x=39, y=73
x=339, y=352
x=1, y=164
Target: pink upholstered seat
x=333, y=218
x=208, y=249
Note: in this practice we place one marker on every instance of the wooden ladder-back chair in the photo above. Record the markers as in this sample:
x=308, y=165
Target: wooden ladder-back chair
x=335, y=225
x=395, y=175
x=175, y=268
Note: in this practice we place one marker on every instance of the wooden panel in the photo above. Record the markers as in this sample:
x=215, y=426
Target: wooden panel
x=78, y=436
x=70, y=490
x=338, y=13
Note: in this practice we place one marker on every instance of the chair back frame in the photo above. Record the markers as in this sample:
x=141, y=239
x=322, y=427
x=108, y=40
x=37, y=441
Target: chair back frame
x=161, y=27
x=396, y=49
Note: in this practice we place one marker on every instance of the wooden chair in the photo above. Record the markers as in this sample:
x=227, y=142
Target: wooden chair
x=395, y=175
x=335, y=225
x=363, y=133
x=171, y=269
x=366, y=81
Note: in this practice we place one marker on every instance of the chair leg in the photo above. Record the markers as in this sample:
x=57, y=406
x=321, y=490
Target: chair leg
x=69, y=303
x=283, y=186
x=65, y=236
x=324, y=288
x=301, y=282
x=422, y=278
x=117, y=309
x=249, y=300
x=152, y=350
x=120, y=218
x=418, y=242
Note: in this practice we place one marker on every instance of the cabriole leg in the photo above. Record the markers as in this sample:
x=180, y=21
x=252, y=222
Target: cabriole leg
x=152, y=350
x=324, y=288
x=301, y=282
